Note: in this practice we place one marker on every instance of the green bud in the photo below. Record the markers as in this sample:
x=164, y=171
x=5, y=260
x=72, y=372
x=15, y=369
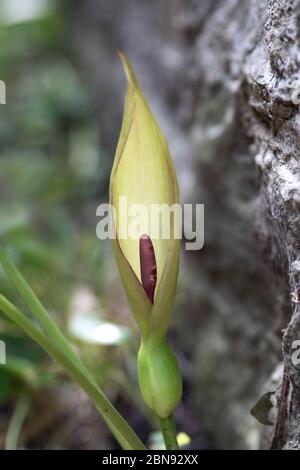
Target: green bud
x=143, y=173
x=159, y=377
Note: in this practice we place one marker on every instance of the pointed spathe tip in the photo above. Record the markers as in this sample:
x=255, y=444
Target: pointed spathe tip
x=128, y=70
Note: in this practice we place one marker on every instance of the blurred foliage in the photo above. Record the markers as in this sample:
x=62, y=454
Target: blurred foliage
x=53, y=174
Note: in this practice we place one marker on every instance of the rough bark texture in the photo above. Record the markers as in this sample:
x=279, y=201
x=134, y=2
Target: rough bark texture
x=245, y=69
x=271, y=79
x=220, y=77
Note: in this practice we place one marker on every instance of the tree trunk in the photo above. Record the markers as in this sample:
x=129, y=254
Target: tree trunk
x=244, y=69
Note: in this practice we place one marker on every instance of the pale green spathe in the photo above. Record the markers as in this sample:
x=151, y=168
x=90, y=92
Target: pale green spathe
x=143, y=173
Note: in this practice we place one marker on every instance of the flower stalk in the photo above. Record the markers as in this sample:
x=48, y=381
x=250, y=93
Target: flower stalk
x=169, y=433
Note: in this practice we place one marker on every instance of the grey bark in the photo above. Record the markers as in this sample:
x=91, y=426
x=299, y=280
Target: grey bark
x=244, y=65
x=221, y=76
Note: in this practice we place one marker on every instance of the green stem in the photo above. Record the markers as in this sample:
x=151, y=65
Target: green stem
x=119, y=427
x=57, y=338
x=168, y=430
x=36, y=307
x=17, y=420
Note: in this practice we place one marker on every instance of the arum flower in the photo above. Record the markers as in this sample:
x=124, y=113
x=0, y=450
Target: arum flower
x=143, y=173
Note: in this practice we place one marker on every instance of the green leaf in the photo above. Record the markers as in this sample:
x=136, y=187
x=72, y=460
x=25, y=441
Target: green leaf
x=56, y=345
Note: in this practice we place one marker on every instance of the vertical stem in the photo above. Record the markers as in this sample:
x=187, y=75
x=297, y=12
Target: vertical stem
x=17, y=420
x=168, y=430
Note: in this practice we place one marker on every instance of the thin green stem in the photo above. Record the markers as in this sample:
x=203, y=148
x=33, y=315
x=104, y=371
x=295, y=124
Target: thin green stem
x=36, y=307
x=45, y=320
x=119, y=427
x=16, y=422
x=168, y=431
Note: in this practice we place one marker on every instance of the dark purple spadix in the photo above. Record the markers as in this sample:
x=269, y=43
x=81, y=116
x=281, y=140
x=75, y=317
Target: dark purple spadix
x=148, y=266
